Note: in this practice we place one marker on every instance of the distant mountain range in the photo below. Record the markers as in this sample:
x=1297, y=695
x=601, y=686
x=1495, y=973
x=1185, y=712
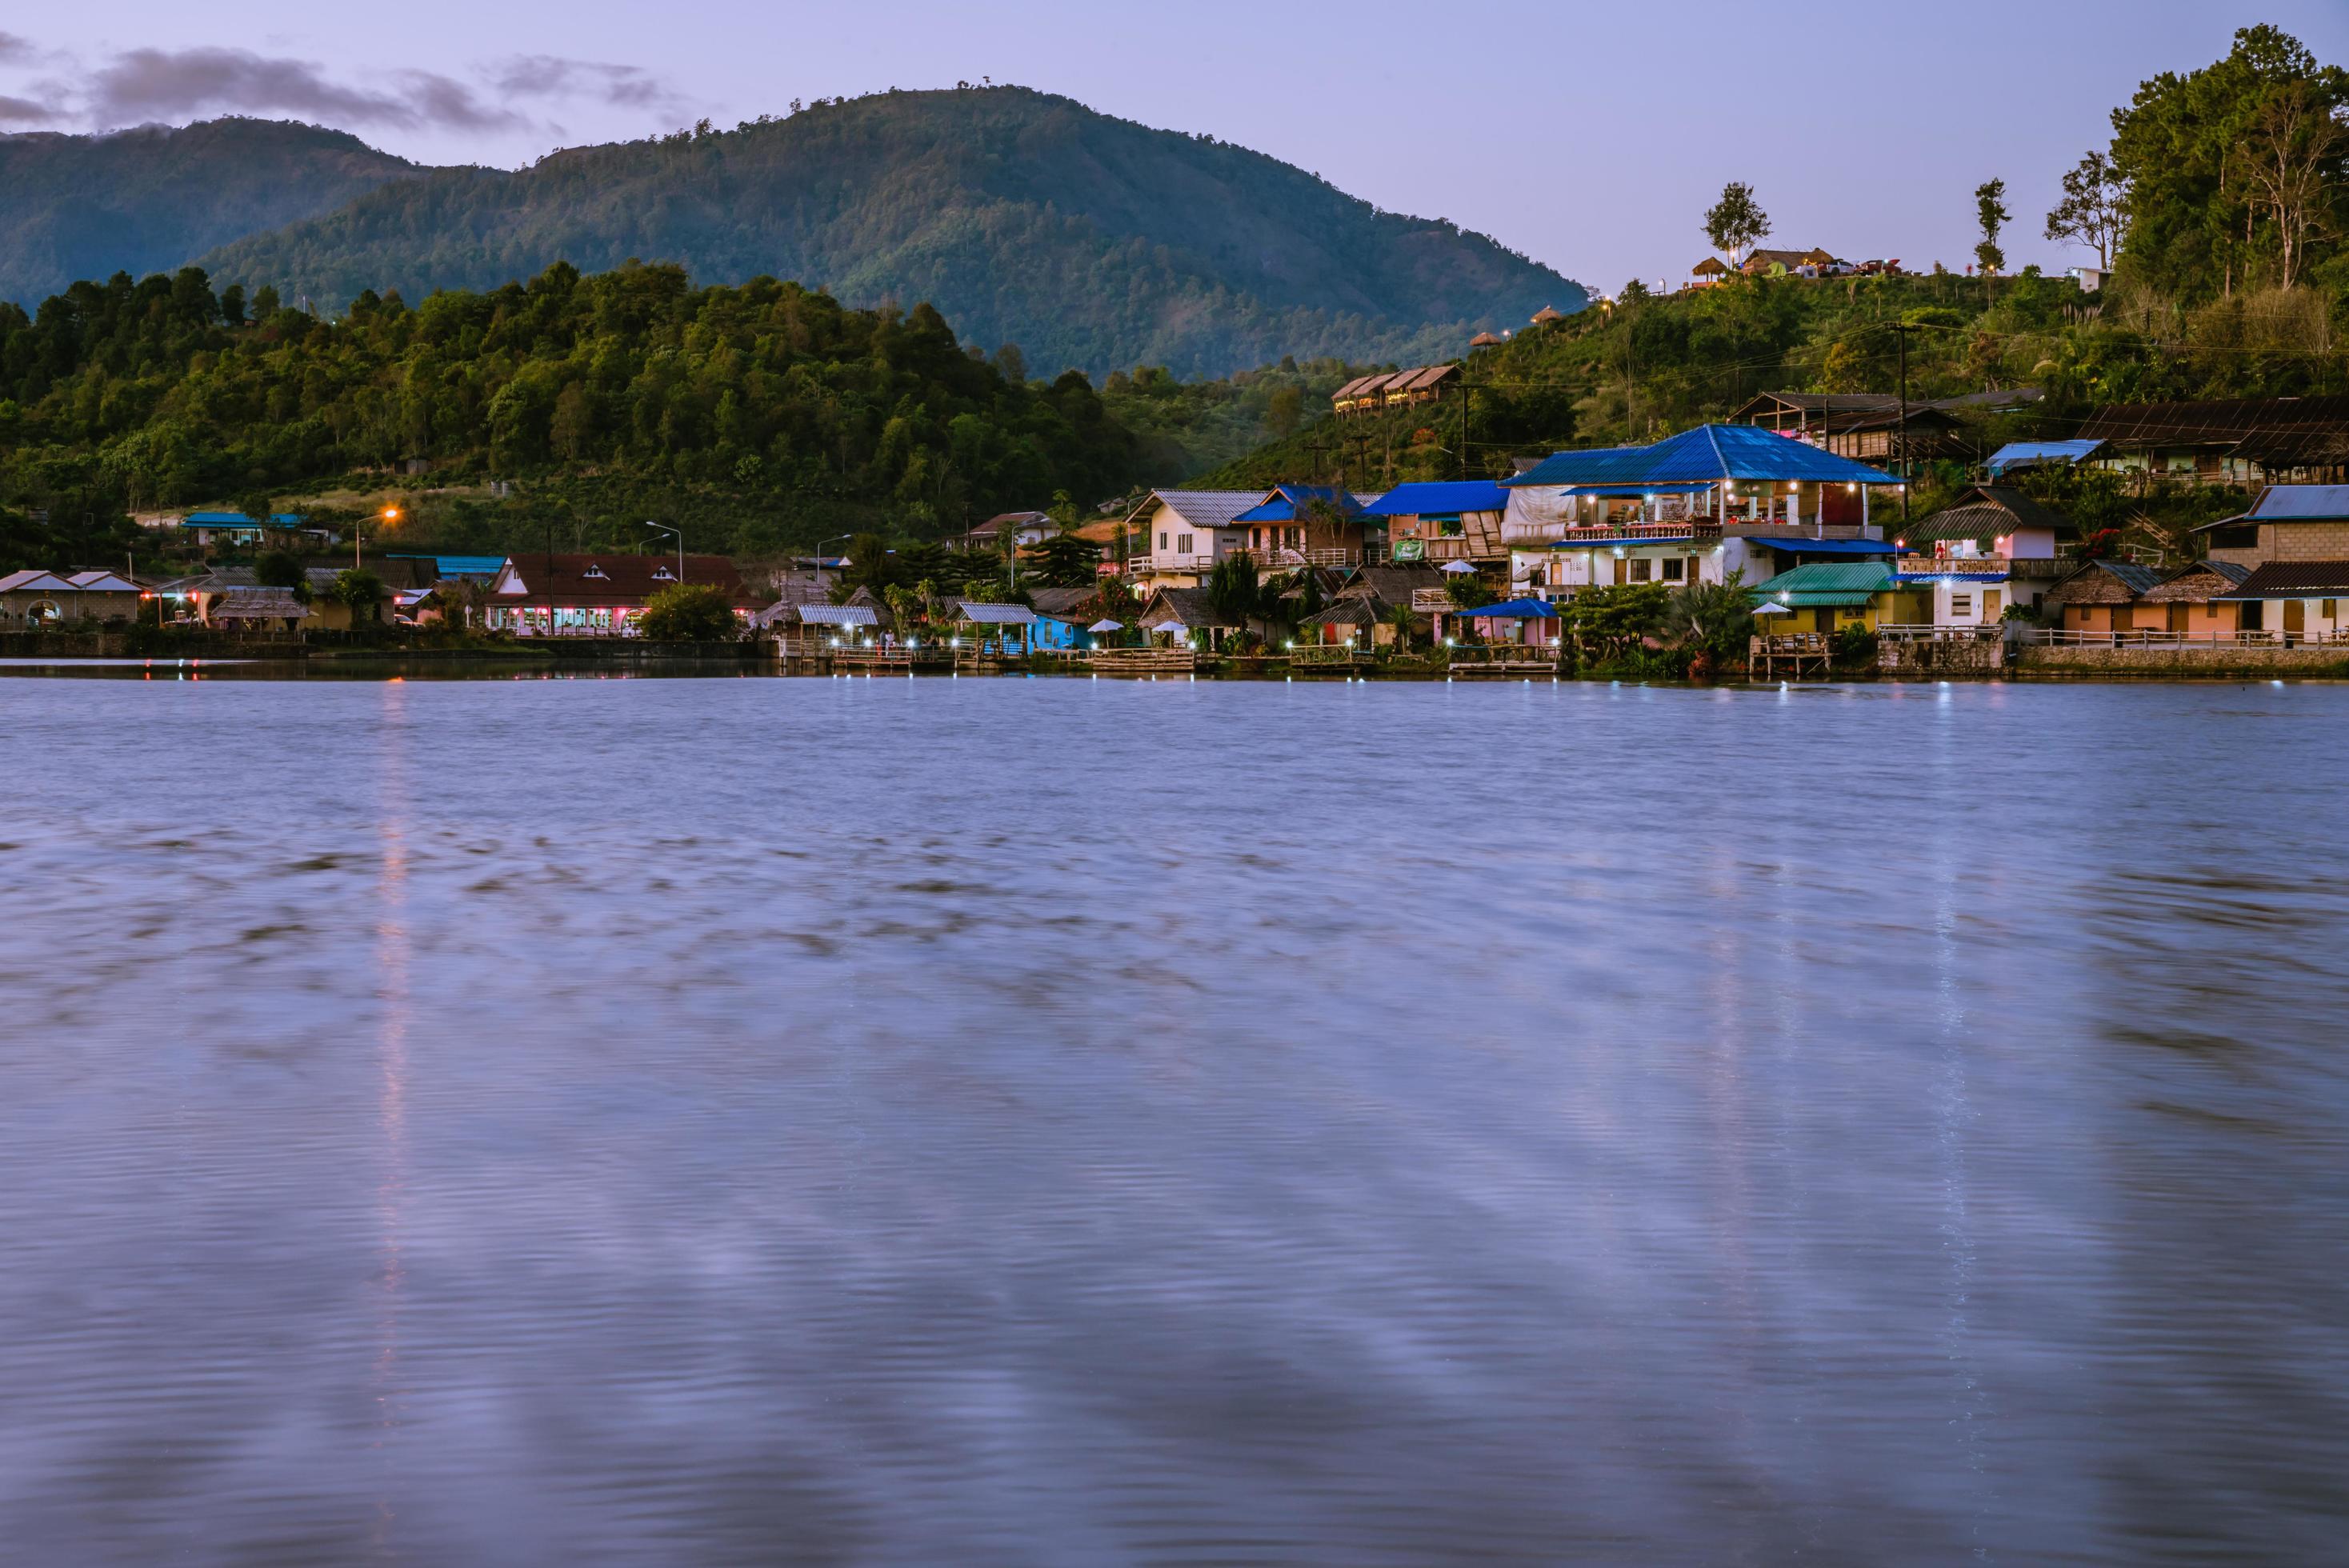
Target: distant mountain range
x=1025, y=218
x=150, y=199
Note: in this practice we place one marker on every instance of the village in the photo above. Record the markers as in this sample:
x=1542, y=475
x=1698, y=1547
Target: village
x=1786, y=535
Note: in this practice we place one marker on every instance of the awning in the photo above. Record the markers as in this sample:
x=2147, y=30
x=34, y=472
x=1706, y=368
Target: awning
x=1948, y=576
x=1513, y=610
x=837, y=615
x=998, y=615
x=1830, y=546
x=1815, y=600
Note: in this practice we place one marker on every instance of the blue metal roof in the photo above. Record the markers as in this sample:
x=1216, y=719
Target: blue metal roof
x=2021, y=454
x=1449, y=496
x=1685, y=489
x=1706, y=455
x=2302, y=503
x=1282, y=505
x=1513, y=610
x=1830, y=546
x=232, y=519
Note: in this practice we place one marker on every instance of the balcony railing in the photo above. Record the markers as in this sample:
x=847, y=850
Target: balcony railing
x=1296, y=559
x=1696, y=530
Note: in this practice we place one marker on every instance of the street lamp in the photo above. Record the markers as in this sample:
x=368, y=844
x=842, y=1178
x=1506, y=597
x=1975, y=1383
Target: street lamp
x=389, y=514
x=679, y=535
x=836, y=539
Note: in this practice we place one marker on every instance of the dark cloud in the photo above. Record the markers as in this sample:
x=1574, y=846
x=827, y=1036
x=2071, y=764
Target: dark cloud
x=550, y=76
x=24, y=112
x=149, y=84
x=12, y=48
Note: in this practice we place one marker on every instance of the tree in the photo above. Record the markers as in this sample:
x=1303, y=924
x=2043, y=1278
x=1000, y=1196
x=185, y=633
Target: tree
x=1466, y=590
x=1737, y=221
x=2094, y=209
x=360, y=592
x=1710, y=622
x=1989, y=211
x=459, y=597
x=1283, y=410
x=1233, y=589
x=688, y=612
x=1067, y=560
x=278, y=569
x=1610, y=622
x=1012, y=365
x=2292, y=163
x=258, y=498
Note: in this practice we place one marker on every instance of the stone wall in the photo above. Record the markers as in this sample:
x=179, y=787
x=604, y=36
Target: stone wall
x=2221, y=660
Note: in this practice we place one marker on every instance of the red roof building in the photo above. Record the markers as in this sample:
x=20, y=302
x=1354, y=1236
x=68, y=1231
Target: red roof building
x=591, y=595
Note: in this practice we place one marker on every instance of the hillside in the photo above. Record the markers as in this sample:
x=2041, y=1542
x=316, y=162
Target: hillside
x=762, y=418
x=1027, y=218
x=145, y=201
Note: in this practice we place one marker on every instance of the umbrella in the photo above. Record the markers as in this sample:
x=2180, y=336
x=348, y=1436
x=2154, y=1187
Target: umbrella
x=1457, y=566
x=1105, y=626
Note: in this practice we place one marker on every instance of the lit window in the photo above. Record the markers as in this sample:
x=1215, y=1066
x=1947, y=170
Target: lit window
x=663, y=574
x=592, y=570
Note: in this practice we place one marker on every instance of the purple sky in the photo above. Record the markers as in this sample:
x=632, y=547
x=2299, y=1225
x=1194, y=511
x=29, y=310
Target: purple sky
x=1591, y=137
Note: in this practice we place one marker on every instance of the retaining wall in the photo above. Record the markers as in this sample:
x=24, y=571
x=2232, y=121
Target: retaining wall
x=2188, y=661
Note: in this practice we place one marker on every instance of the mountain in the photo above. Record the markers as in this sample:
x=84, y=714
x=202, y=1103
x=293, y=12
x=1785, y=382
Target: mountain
x=1025, y=218
x=145, y=201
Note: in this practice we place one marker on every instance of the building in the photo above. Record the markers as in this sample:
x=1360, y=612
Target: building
x=2288, y=522
x=1871, y=425
x=2194, y=598
x=1297, y=526
x=1186, y=615
x=1444, y=521
x=280, y=530
x=1994, y=548
x=1831, y=596
x=1186, y=533
x=1063, y=616
x=1030, y=527
x=1694, y=507
x=1395, y=388
x=2016, y=456
x=2240, y=441
x=1760, y=264
x=2297, y=601
x=598, y=595
x=2102, y=596
x=34, y=599
x=1533, y=622
x=1707, y=273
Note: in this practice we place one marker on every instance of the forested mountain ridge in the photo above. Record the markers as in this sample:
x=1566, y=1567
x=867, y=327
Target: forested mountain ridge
x=1025, y=218
x=145, y=201
x=766, y=414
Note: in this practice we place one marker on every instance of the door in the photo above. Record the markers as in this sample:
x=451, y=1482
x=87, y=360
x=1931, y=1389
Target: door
x=1991, y=604
x=2295, y=618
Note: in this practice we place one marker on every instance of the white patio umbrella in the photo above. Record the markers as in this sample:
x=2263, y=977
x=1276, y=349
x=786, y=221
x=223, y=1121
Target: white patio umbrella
x=1457, y=566
x=1105, y=626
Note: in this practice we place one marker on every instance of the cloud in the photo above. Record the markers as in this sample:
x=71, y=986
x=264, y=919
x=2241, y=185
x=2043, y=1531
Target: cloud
x=551, y=75
x=24, y=112
x=14, y=49
x=149, y=84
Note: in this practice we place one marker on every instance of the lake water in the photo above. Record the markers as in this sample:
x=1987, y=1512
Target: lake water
x=1048, y=1122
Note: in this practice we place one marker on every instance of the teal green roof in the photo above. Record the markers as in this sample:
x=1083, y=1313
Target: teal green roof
x=1818, y=584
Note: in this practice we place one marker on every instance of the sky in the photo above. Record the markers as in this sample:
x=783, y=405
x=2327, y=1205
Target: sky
x=1589, y=136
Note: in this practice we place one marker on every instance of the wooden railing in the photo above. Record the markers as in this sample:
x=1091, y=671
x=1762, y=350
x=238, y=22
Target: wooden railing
x=2150, y=637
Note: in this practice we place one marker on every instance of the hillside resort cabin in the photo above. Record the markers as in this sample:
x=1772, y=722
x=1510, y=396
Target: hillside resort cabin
x=1993, y=548
x=1394, y=388
x=1444, y=521
x=598, y=595
x=2240, y=441
x=1775, y=264
x=1694, y=507
x=33, y=599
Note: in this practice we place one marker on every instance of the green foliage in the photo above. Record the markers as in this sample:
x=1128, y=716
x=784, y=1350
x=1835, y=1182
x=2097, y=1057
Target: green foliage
x=1712, y=620
x=1991, y=215
x=1736, y=223
x=611, y=398
x=359, y=592
x=1853, y=647
x=1466, y=590
x=1233, y=588
x=1065, y=560
x=688, y=612
x=1604, y=624
x=1025, y=218
x=278, y=569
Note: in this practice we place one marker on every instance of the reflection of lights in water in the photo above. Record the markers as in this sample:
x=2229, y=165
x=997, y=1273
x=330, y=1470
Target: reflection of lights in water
x=391, y=1098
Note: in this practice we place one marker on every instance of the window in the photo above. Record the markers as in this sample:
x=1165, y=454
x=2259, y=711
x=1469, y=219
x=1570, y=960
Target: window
x=1962, y=604
x=1183, y=544
x=1643, y=570
x=592, y=570
x=1675, y=570
x=663, y=574
x=1162, y=540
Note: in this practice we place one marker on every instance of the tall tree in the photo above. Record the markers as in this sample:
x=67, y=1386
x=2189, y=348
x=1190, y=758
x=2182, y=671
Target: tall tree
x=2094, y=209
x=1737, y=221
x=1989, y=211
x=2293, y=164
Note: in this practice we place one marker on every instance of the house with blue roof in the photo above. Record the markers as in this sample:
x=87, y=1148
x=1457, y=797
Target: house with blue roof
x=1693, y=507
x=235, y=528
x=1445, y=521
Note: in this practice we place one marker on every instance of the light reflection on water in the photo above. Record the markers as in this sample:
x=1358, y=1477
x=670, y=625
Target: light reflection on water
x=1069, y=1121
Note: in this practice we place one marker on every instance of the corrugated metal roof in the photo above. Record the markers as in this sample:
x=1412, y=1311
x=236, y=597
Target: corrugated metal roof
x=838, y=616
x=33, y=582
x=1208, y=509
x=1862, y=578
x=1708, y=452
x=1512, y=610
x=2294, y=580
x=1440, y=496
x=102, y=583
x=1827, y=546
x=1282, y=504
x=2302, y=503
x=997, y=614
x=2019, y=454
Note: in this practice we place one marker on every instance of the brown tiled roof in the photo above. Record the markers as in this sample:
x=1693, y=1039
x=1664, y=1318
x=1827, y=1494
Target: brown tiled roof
x=2295, y=580
x=601, y=582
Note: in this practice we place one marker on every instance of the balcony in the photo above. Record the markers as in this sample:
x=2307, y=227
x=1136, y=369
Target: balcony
x=1699, y=530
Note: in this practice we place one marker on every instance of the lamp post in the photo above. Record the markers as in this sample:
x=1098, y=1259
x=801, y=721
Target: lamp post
x=836, y=539
x=678, y=535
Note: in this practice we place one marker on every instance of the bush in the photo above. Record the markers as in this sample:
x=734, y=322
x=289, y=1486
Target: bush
x=1854, y=647
x=689, y=613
